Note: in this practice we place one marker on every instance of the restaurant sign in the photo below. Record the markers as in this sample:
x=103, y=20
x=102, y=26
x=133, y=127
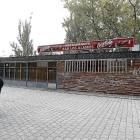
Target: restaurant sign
x=106, y=44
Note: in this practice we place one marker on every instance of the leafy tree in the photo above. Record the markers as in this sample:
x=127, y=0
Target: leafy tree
x=101, y=19
x=26, y=45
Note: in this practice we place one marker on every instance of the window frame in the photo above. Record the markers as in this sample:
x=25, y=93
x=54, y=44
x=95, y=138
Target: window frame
x=96, y=65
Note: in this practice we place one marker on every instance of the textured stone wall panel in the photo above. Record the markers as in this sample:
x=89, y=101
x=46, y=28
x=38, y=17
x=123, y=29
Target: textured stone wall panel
x=122, y=83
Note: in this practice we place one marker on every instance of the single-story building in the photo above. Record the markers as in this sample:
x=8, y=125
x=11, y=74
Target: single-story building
x=107, y=72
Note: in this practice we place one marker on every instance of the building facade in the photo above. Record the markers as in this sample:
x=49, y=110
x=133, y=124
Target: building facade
x=107, y=72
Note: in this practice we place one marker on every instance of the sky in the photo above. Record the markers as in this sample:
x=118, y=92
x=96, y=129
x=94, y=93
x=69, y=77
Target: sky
x=46, y=22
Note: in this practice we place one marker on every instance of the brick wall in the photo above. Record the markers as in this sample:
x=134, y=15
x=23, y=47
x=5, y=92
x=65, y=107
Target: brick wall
x=120, y=83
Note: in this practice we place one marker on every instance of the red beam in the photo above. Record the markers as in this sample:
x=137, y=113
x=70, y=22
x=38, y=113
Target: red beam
x=106, y=44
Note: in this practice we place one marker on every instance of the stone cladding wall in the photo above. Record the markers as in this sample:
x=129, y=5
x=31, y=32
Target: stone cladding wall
x=120, y=83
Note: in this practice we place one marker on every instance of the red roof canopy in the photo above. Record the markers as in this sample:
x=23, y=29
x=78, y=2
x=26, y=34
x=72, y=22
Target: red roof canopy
x=106, y=44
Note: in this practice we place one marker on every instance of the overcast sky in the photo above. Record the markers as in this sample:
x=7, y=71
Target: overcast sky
x=47, y=21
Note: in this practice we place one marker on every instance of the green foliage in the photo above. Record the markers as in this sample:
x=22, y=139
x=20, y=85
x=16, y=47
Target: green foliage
x=101, y=19
x=26, y=45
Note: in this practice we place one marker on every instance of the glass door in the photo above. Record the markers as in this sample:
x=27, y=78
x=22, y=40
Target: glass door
x=52, y=78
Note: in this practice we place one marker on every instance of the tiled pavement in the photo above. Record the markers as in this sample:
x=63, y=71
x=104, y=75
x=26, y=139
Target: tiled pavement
x=37, y=114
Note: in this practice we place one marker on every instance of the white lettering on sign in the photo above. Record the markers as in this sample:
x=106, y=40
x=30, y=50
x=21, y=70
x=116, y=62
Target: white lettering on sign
x=65, y=49
x=106, y=43
x=78, y=44
x=45, y=48
x=86, y=47
x=73, y=48
x=129, y=42
x=78, y=48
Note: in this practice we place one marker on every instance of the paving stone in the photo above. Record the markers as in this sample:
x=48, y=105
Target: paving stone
x=58, y=138
x=36, y=114
x=67, y=138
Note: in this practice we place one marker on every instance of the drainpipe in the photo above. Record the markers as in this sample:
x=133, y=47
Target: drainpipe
x=26, y=73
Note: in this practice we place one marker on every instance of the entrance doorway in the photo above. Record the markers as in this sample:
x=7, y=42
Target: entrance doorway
x=52, y=78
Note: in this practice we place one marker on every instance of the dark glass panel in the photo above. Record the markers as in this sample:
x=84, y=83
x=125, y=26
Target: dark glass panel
x=1, y=64
x=32, y=64
x=52, y=75
x=17, y=74
x=23, y=74
x=17, y=64
x=42, y=64
x=32, y=74
x=12, y=64
x=6, y=73
x=51, y=64
x=1, y=72
x=12, y=73
x=42, y=75
x=23, y=64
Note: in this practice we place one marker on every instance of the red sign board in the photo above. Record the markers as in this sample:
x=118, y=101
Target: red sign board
x=106, y=44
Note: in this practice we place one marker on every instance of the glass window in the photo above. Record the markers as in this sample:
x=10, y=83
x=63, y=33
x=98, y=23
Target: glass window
x=32, y=74
x=51, y=64
x=42, y=75
x=1, y=72
x=17, y=74
x=101, y=66
x=23, y=64
x=32, y=64
x=23, y=74
x=52, y=75
x=17, y=64
x=1, y=64
x=12, y=73
x=42, y=64
x=12, y=64
x=6, y=73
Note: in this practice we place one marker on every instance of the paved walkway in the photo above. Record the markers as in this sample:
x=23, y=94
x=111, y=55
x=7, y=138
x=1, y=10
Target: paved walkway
x=37, y=114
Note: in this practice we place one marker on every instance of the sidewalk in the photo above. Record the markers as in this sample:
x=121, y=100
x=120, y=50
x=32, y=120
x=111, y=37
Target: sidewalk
x=39, y=114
